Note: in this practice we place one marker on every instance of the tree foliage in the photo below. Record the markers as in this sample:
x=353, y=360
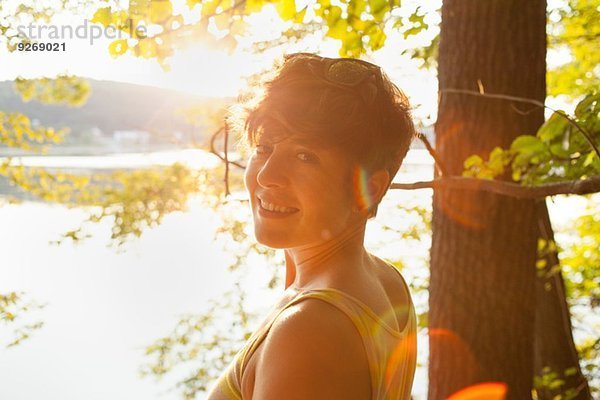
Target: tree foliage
x=201, y=346
x=581, y=257
x=564, y=148
x=574, y=30
x=63, y=89
x=358, y=25
x=580, y=261
x=133, y=200
x=15, y=309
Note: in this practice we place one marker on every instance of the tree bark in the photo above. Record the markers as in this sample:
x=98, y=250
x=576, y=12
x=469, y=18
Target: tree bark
x=482, y=283
x=554, y=347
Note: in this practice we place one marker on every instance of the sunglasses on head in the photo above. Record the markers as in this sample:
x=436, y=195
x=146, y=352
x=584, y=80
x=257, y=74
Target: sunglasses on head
x=346, y=73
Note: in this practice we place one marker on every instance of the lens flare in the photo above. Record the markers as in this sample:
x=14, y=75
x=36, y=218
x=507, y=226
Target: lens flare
x=404, y=352
x=360, y=185
x=459, y=206
x=456, y=352
x=481, y=391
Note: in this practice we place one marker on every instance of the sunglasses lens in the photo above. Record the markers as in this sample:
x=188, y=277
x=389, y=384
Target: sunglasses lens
x=351, y=73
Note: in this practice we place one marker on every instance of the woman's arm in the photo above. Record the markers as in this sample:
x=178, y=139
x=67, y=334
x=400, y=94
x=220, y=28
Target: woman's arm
x=312, y=352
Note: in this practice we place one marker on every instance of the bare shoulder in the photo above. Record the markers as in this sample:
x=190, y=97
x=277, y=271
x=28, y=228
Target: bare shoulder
x=393, y=281
x=313, y=351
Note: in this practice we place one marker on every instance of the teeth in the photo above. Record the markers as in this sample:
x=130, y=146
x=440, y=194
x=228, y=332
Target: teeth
x=274, y=207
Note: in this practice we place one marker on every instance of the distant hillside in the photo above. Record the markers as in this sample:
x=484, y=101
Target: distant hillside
x=116, y=106
x=113, y=106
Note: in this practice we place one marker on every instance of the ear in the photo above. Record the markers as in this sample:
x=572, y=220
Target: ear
x=379, y=182
x=369, y=188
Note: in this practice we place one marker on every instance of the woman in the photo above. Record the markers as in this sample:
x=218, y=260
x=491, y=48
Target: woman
x=328, y=137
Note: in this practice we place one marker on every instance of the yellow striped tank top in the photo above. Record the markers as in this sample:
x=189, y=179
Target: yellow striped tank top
x=391, y=354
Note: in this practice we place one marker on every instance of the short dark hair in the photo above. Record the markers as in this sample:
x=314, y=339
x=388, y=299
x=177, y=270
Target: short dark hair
x=375, y=129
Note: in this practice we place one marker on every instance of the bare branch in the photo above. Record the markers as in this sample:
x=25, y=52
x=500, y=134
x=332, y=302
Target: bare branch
x=216, y=153
x=583, y=186
x=562, y=39
x=438, y=161
x=225, y=145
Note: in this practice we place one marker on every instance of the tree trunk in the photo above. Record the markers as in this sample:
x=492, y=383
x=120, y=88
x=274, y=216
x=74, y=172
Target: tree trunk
x=554, y=347
x=482, y=284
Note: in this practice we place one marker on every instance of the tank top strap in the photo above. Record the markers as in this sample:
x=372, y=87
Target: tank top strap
x=367, y=328
x=233, y=380
x=259, y=335
x=373, y=330
x=369, y=325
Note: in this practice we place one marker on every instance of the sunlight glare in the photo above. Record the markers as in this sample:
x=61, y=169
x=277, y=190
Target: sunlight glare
x=481, y=391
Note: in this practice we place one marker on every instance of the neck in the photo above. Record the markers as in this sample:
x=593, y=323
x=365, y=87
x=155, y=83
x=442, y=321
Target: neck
x=315, y=265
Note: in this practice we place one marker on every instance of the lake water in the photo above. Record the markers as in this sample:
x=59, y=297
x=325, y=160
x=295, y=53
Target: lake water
x=104, y=306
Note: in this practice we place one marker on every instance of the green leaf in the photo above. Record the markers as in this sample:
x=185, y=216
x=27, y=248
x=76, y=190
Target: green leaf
x=357, y=24
x=584, y=105
x=102, y=16
x=286, y=9
x=376, y=38
x=472, y=161
x=238, y=27
x=570, y=371
x=160, y=11
x=332, y=15
x=527, y=144
x=418, y=24
x=558, y=150
x=497, y=161
x=497, y=152
x=209, y=7
x=118, y=47
x=553, y=128
x=324, y=3
x=352, y=45
x=589, y=159
x=229, y=43
x=253, y=6
x=521, y=161
x=226, y=5
x=356, y=8
x=378, y=8
x=146, y=48
x=222, y=21
x=417, y=18
x=516, y=174
x=299, y=17
x=338, y=30
x=192, y=3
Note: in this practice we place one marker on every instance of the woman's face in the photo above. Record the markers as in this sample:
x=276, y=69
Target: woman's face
x=300, y=194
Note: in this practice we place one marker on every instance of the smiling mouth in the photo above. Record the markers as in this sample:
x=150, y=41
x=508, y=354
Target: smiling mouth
x=275, y=208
